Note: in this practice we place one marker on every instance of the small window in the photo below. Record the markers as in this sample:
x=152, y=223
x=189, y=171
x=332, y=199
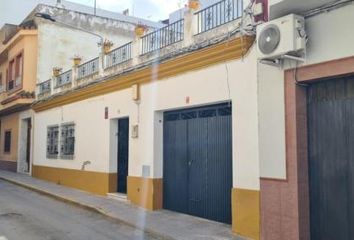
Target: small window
x=67, y=141
x=172, y=117
x=225, y=111
x=189, y=115
x=53, y=142
x=7, y=142
x=207, y=113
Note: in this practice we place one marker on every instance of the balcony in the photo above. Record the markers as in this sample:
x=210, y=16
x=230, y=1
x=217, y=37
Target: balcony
x=14, y=101
x=195, y=31
x=14, y=84
x=88, y=69
x=45, y=87
x=119, y=55
x=163, y=37
x=219, y=14
x=64, y=79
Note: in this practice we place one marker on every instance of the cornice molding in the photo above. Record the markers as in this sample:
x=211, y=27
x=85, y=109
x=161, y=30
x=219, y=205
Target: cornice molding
x=225, y=51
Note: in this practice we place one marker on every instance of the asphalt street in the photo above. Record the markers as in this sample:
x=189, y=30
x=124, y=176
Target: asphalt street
x=26, y=215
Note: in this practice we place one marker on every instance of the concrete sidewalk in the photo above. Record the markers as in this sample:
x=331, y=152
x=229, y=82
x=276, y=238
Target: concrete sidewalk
x=164, y=224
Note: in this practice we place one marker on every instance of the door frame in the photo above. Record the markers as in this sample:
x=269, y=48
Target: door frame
x=117, y=158
x=25, y=148
x=296, y=183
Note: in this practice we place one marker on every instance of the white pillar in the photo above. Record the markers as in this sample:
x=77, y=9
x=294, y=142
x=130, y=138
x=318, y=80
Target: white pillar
x=190, y=27
x=136, y=50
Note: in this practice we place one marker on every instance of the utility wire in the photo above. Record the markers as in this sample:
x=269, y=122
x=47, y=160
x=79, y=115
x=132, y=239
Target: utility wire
x=328, y=7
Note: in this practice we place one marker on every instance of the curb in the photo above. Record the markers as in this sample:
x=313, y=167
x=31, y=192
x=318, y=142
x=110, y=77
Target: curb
x=89, y=208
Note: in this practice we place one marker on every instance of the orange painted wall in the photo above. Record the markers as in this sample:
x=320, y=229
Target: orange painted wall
x=10, y=122
x=26, y=42
x=30, y=63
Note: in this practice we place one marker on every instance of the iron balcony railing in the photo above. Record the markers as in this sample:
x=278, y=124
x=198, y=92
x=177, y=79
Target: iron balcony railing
x=119, y=55
x=88, y=68
x=64, y=78
x=218, y=14
x=45, y=87
x=163, y=37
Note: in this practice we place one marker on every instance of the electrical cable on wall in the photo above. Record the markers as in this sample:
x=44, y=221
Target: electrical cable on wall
x=249, y=30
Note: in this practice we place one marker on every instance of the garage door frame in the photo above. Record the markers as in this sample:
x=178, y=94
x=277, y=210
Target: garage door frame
x=198, y=161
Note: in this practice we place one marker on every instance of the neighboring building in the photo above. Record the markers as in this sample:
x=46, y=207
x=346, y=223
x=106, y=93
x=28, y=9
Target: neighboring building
x=18, y=71
x=305, y=129
x=28, y=54
x=9, y=7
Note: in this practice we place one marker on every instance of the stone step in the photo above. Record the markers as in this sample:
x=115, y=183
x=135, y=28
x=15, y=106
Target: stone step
x=118, y=196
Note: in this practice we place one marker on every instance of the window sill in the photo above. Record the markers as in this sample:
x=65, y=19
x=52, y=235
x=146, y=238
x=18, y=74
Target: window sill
x=67, y=157
x=52, y=157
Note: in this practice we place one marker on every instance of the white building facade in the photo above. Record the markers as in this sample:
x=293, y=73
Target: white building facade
x=122, y=123
x=198, y=119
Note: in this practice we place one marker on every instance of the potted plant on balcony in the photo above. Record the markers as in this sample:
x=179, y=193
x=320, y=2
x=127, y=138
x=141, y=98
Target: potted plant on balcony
x=77, y=60
x=194, y=4
x=56, y=71
x=140, y=30
x=107, y=45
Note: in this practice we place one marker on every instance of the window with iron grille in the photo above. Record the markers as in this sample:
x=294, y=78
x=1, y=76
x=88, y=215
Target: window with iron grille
x=53, y=141
x=7, y=142
x=67, y=141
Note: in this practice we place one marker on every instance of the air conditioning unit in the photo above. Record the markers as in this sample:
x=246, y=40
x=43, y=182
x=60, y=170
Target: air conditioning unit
x=281, y=38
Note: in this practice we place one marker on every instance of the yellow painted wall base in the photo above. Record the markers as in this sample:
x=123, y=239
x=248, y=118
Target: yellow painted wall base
x=94, y=182
x=246, y=213
x=145, y=192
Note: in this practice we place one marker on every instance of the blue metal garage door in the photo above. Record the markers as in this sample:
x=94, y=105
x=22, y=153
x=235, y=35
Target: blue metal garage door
x=198, y=162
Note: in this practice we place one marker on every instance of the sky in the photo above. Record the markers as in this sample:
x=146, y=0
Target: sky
x=149, y=9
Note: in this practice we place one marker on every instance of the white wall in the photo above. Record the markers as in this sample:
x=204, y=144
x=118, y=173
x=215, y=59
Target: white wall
x=205, y=86
x=271, y=122
x=330, y=37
